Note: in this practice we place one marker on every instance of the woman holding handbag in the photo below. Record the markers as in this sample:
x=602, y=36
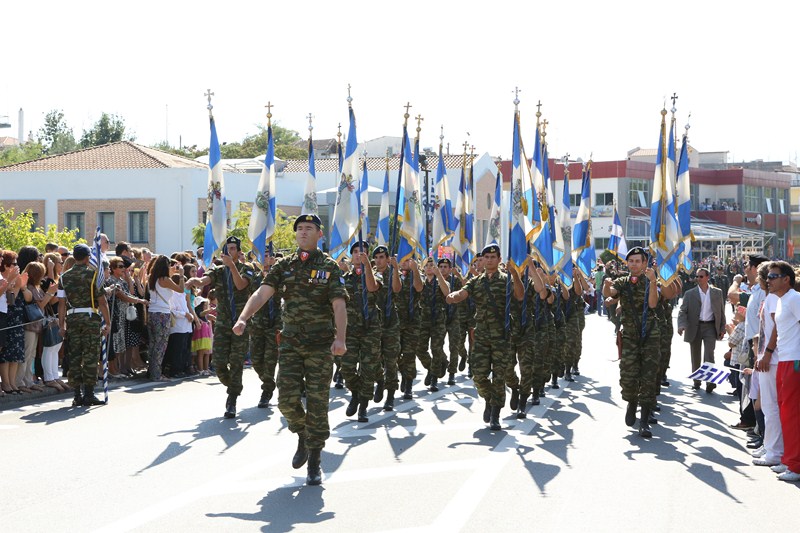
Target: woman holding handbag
x=119, y=283
x=35, y=299
x=13, y=351
x=159, y=312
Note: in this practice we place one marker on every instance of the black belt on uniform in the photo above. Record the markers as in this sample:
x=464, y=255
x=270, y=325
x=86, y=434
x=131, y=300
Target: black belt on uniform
x=707, y=321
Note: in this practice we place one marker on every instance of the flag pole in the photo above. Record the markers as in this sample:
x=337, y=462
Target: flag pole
x=394, y=228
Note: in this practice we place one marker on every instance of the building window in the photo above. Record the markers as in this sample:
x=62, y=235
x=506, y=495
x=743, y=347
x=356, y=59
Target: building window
x=601, y=243
x=751, y=197
x=35, y=221
x=106, y=222
x=604, y=198
x=574, y=200
x=694, y=189
x=76, y=221
x=204, y=217
x=138, y=226
x=639, y=193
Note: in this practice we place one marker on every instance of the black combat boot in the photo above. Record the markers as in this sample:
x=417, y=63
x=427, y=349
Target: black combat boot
x=487, y=412
x=314, y=472
x=451, y=379
x=266, y=396
x=462, y=363
x=644, y=423
x=652, y=418
x=337, y=377
x=630, y=414
x=514, y=403
x=575, y=371
x=434, y=385
x=77, y=401
x=554, y=382
x=230, y=406
x=469, y=372
x=388, y=405
x=535, y=397
x=494, y=421
x=378, y=396
x=362, y=411
x=428, y=378
x=352, y=407
x=568, y=374
x=407, y=391
x=523, y=404
x=301, y=455
x=89, y=398
x=402, y=384
x=443, y=371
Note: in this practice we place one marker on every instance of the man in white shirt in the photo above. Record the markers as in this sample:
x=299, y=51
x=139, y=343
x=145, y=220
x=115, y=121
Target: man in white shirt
x=781, y=280
x=701, y=320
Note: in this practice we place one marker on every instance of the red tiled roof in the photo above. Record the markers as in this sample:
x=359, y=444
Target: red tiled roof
x=374, y=164
x=118, y=155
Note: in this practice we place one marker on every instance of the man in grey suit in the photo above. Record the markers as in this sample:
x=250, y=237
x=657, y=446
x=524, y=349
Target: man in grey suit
x=701, y=321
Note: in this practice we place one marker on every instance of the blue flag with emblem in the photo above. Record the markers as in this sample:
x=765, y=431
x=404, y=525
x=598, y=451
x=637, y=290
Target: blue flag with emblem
x=617, y=244
x=583, y=252
x=382, y=233
x=562, y=251
x=310, y=206
x=522, y=201
x=345, y=213
x=363, y=197
x=444, y=224
x=411, y=218
x=262, y=219
x=216, y=204
x=664, y=239
x=543, y=219
x=685, y=205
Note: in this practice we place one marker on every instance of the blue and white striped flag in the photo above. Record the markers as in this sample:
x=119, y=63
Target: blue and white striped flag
x=664, y=238
x=710, y=373
x=382, y=233
x=216, y=204
x=345, y=212
x=262, y=219
x=310, y=206
x=563, y=245
x=363, y=199
x=444, y=224
x=685, y=206
x=494, y=232
x=96, y=260
x=543, y=219
x=521, y=204
x=616, y=242
x=463, y=233
x=411, y=218
x=583, y=252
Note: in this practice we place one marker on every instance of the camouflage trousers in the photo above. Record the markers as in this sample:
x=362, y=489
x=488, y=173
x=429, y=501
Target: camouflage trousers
x=390, y=353
x=558, y=350
x=306, y=364
x=490, y=360
x=540, y=355
x=228, y=356
x=516, y=349
x=572, y=342
x=361, y=365
x=264, y=355
x=409, y=343
x=433, y=333
x=665, y=354
x=83, y=349
x=638, y=367
x=455, y=344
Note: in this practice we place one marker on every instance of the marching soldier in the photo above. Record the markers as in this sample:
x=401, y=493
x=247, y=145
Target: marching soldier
x=491, y=355
x=264, y=336
x=314, y=331
x=231, y=282
x=640, y=354
x=559, y=354
x=408, y=310
x=390, y=330
x=432, y=325
x=361, y=364
x=573, y=312
x=534, y=365
x=81, y=322
x=452, y=321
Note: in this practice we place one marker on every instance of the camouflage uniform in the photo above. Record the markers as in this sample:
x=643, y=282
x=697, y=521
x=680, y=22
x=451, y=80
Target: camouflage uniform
x=466, y=323
x=455, y=339
x=638, y=365
x=309, y=287
x=432, y=329
x=518, y=340
x=490, y=354
x=559, y=337
x=83, y=329
x=664, y=313
x=541, y=349
x=573, y=310
x=361, y=364
x=229, y=349
x=390, y=334
x=265, y=325
x=408, y=311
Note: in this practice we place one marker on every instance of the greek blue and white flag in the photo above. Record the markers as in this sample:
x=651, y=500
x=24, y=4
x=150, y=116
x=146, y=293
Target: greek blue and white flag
x=494, y=232
x=463, y=231
x=216, y=205
x=262, y=218
x=345, y=212
x=411, y=218
x=382, y=233
x=583, y=252
x=710, y=373
x=96, y=260
x=685, y=206
x=616, y=242
x=522, y=202
x=444, y=223
x=363, y=199
x=310, y=206
x=543, y=217
x=664, y=239
x=563, y=245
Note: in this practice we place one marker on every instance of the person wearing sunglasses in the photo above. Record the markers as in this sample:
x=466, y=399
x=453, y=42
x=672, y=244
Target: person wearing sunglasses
x=701, y=321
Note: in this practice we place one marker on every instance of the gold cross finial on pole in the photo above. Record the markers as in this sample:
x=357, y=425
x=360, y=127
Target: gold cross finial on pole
x=208, y=94
x=339, y=135
x=516, y=98
x=349, y=98
x=419, y=120
x=538, y=112
x=269, y=107
x=406, y=115
x=310, y=126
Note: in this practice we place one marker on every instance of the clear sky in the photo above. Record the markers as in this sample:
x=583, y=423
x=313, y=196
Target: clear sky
x=601, y=69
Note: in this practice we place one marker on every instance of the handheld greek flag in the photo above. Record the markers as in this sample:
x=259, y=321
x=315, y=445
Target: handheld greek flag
x=363, y=197
x=444, y=224
x=95, y=259
x=216, y=205
x=543, y=219
x=583, y=252
x=562, y=252
x=522, y=201
x=310, y=206
x=459, y=243
x=616, y=242
x=710, y=373
x=494, y=230
x=685, y=205
x=382, y=233
x=345, y=212
x=664, y=238
x=411, y=221
x=262, y=219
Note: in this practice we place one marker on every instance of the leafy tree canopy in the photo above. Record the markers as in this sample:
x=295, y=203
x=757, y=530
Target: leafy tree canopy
x=108, y=129
x=17, y=230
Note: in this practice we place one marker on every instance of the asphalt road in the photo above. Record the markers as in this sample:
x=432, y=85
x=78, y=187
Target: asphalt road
x=161, y=458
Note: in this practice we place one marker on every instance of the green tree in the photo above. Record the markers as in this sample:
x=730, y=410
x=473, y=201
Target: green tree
x=256, y=145
x=55, y=136
x=189, y=152
x=108, y=129
x=19, y=154
x=17, y=230
x=283, y=239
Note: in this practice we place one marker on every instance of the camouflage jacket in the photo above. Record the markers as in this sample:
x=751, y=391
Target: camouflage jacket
x=357, y=291
x=77, y=283
x=489, y=294
x=222, y=281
